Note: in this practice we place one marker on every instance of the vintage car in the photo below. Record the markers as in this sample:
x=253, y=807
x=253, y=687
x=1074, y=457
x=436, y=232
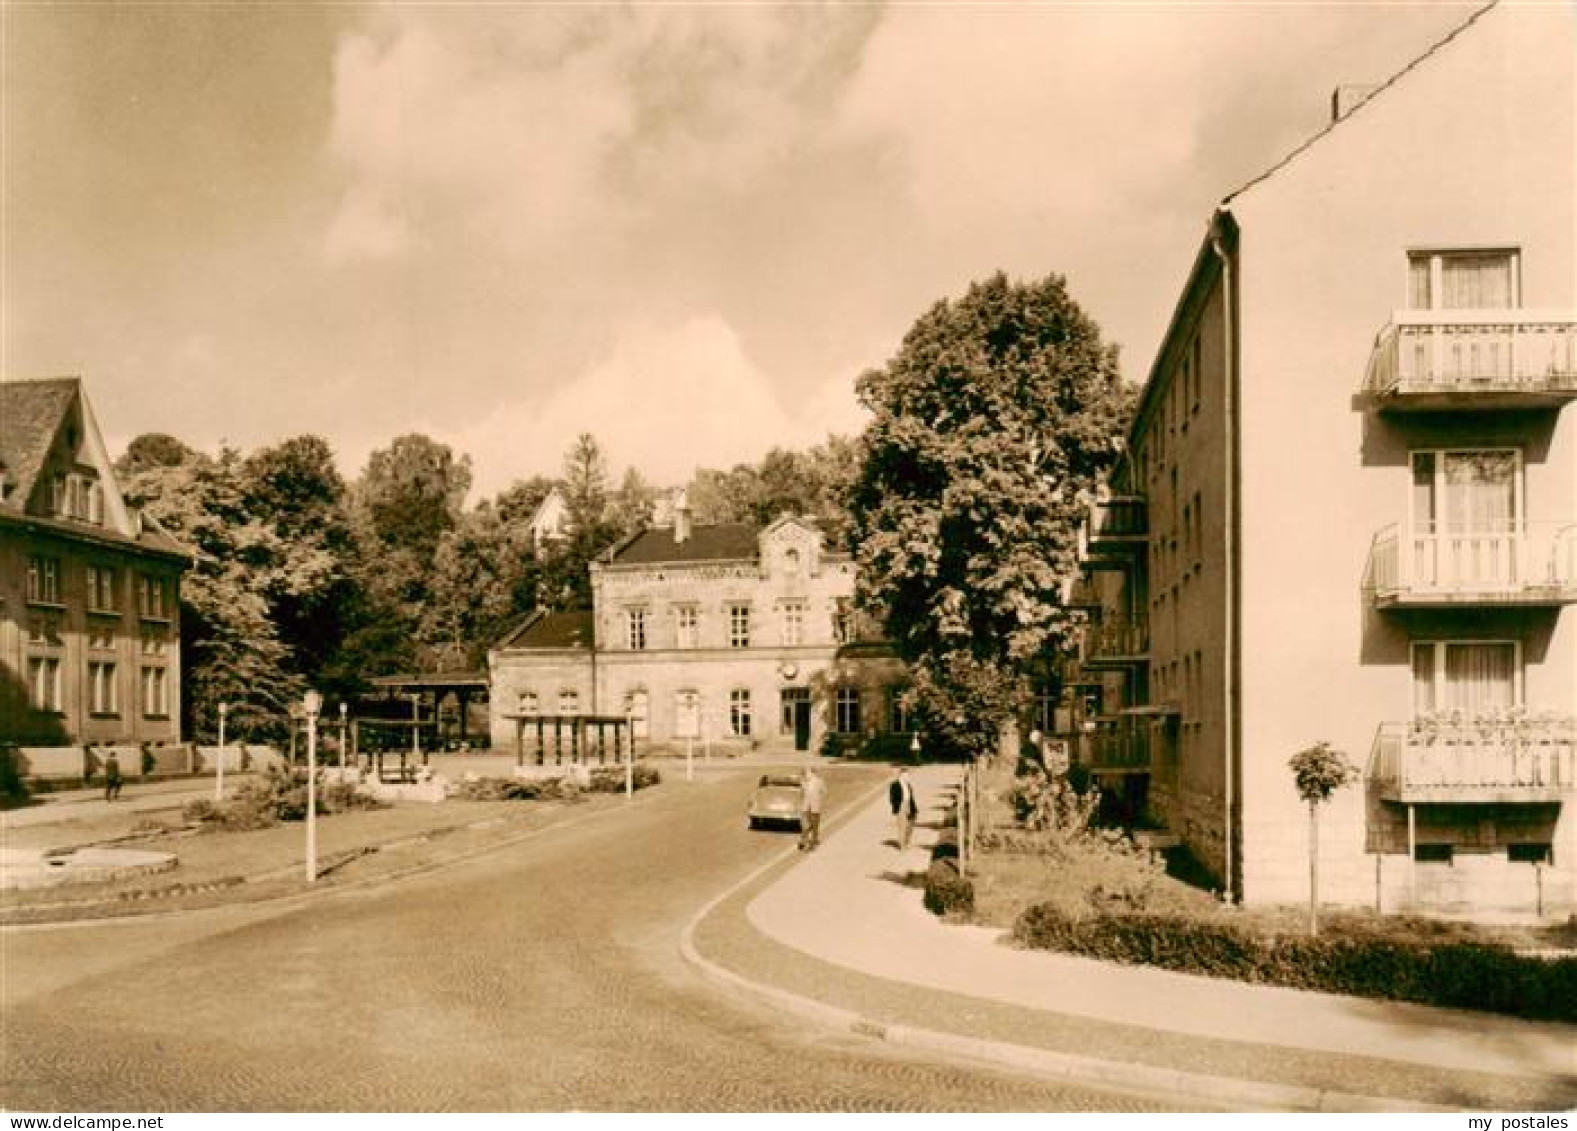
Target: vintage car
x=778, y=800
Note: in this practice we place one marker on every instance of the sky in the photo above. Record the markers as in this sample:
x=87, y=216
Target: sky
x=685, y=229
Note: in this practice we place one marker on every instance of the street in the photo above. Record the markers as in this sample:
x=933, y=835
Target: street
x=545, y=976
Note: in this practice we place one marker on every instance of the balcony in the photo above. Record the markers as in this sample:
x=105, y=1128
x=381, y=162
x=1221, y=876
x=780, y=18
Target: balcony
x=1450, y=760
x=1113, y=530
x=1456, y=360
x=1114, y=642
x=1121, y=746
x=1529, y=564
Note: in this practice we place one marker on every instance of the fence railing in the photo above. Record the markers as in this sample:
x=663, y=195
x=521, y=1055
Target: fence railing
x=1112, y=637
x=1445, y=351
x=1433, y=760
x=1516, y=558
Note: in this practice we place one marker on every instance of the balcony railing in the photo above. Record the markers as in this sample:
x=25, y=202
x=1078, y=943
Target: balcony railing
x=1113, y=526
x=1472, y=359
x=1528, y=759
x=1116, y=640
x=1521, y=563
x=1121, y=746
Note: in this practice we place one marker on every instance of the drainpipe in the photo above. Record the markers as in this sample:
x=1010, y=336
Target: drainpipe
x=1229, y=387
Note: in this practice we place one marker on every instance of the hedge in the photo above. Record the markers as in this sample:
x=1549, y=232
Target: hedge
x=1459, y=975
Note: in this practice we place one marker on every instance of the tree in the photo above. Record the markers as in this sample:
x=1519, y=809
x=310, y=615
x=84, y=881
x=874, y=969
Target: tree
x=566, y=584
x=630, y=508
x=295, y=487
x=814, y=482
x=1318, y=772
x=481, y=583
x=410, y=494
x=231, y=650
x=999, y=414
x=518, y=503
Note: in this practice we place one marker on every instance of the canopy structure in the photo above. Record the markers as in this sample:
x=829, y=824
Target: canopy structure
x=576, y=739
x=432, y=689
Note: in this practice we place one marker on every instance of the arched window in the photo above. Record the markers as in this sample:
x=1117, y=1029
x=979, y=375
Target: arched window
x=527, y=703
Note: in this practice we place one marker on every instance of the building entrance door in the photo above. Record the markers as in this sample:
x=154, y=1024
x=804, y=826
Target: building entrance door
x=802, y=725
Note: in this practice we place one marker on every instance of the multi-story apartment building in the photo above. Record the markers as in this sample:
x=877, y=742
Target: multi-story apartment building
x=1348, y=505
x=721, y=634
x=89, y=588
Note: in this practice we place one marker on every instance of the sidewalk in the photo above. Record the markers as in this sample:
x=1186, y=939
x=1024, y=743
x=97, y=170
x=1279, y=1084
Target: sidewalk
x=854, y=906
x=136, y=797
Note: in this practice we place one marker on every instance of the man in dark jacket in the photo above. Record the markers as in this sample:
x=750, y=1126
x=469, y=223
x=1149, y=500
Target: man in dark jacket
x=111, y=777
x=900, y=795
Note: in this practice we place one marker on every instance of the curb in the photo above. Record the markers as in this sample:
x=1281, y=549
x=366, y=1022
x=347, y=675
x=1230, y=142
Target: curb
x=1126, y=1076
x=141, y=895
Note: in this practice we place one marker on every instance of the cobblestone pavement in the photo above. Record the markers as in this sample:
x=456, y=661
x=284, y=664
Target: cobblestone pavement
x=545, y=976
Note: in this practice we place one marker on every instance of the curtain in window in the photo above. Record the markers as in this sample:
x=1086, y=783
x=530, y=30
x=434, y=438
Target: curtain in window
x=1480, y=491
x=1423, y=679
x=1475, y=282
x=1418, y=292
x=1480, y=678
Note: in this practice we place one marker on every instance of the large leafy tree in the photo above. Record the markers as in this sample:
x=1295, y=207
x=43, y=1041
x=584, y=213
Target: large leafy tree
x=231, y=649
x=814, y=482
x=1000, y=412
x=295, y=487
x=408, y=497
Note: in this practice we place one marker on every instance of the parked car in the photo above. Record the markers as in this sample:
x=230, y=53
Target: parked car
x=777, y=801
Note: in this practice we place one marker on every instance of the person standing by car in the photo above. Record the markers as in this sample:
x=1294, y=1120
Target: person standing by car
x=900, y=795
x=815, y=797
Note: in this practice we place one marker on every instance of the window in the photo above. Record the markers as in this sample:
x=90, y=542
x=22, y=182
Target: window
x=637, y=705
x=43, y=580
x=687, y=714
x=1432, y=853
x=1466, y=518
x=1530, y=853
x=739, y=626
x=101, y=641
x=95, y=513
x=686, y=618
x=569, y=702
x=1473, y=679
x=793, y=623
x=1463, y=280
x=842, y=621
x=1196, y=366
x=43, y=683
x=635, y=629
x=788, y=702
x=150, y=597
x=155, y=693
x=526, y=703
x=57, y=495
x=791, y=562
x=902, y=723
x=739, y=713
x=101, y=689
x=848, y=710
x=155, y=644
x=101, y=589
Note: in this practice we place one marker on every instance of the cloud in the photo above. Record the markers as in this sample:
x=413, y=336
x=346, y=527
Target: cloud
x=534, y=124
x=665, y=399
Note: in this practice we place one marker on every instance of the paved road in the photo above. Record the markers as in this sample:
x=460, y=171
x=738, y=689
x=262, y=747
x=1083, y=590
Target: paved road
x=542, y=977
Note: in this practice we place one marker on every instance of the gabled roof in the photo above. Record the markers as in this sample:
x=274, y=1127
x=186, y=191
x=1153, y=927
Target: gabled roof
x=723, y=541
x=31, y=413
x=543, y=629
x=1378, y=92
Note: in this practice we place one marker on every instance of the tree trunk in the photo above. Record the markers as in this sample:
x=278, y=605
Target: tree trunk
x=1314, y=869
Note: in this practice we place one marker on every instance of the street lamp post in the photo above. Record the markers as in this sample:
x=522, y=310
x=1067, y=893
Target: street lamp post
x=312, y=703
x=219, y=769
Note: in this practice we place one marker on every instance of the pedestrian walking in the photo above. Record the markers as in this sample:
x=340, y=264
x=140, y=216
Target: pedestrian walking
x=815, y=797
x=900, y=795
x=111, y=777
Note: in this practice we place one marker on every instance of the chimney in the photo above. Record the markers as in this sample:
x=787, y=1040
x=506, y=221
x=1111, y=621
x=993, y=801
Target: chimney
x=1345, y=99
x=681, y=517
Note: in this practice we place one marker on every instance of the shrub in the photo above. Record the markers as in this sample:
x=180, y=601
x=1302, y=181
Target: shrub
x=610, y=779
x=947, y=892
x=516, y=789
x=1456, y=974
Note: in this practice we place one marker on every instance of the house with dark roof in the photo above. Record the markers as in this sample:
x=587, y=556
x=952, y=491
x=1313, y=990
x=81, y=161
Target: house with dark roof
x=89, y=587
x=728, y=635
x=1347, y=508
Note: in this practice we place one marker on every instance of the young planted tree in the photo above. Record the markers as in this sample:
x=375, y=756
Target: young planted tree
x=1319, y=772
x=1001, y=410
